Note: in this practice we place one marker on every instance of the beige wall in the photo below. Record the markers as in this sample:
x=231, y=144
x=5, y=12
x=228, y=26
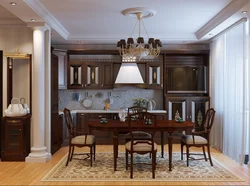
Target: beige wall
x=12, y=39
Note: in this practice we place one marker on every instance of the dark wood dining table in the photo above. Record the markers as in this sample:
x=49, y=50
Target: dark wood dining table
x=117, y=126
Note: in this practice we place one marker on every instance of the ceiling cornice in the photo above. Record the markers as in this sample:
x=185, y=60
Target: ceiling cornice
x=223, y=15
x=37, y=6
x=11, y=22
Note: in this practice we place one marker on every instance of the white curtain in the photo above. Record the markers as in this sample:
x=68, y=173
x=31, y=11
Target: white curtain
x=229, y=92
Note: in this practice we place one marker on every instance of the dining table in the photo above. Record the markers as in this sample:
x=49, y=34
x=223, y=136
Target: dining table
x=116, y=126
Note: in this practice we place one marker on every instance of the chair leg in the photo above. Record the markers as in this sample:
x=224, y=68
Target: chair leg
x=91, y=155
x=209, y=155
x=69, y=154
x=153, y=164
x=187, y=147
x=204, y=153
x=131, y=165
x=182, y=144
x=94, y=150
x=126, y=155
x=72, y=152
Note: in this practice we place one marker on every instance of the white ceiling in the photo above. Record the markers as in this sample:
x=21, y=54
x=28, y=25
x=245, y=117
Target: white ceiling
x=101, y=21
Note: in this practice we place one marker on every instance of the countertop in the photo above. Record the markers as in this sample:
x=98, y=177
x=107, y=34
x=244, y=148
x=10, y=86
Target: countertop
x=111, y=111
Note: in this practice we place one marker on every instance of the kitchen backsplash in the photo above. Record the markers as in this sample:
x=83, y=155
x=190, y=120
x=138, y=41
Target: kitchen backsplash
x=120, y=97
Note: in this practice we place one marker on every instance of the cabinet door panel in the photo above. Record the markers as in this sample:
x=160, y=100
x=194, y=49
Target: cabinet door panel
x=107, y=75
x=75, y=76
x=82, y=122
x=177, y=104
x=14, y=133
x=92, y=75
x=198, y=109
x=155, y=75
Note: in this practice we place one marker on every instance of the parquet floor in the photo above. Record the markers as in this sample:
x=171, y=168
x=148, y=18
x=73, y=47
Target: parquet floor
x=21, y=173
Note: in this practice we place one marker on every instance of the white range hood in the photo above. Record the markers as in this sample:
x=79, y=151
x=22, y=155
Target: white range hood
x=129, y=73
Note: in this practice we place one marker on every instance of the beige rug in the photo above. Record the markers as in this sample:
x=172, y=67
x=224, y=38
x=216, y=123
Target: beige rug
x=102, y=170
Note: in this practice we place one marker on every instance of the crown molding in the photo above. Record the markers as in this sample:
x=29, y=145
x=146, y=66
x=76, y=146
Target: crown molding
x=12, y=22
x=223, y=15
x=37, y=6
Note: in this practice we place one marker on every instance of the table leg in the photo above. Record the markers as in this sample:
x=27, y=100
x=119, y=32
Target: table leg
x=115, y=150
x=162, y=144
x=170, y=138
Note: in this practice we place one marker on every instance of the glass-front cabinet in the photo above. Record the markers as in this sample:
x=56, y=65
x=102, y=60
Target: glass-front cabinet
x=90, y=75
x=75, y=75
x=189, y=108
x=155, y=75
x=15, y=138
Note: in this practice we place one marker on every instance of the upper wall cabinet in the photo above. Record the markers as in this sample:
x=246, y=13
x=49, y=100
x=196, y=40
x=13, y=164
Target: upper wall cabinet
x=62, y=67
x=187, y=74
x=90, y=75
x=154, y=75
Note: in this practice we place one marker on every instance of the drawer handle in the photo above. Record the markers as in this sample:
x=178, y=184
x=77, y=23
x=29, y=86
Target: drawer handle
x=82, y=114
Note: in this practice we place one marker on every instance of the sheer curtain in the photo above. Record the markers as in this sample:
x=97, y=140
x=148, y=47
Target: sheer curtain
x=229, y=92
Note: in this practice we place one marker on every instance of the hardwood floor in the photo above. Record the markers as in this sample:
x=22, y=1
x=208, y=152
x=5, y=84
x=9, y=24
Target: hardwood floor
x=21, y=173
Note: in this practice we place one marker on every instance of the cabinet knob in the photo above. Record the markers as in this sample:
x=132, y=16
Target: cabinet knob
x=20, y=129
x=82, y=114
x=102, y=85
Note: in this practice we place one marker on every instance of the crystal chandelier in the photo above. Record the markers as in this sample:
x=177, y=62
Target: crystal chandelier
x=139, y=50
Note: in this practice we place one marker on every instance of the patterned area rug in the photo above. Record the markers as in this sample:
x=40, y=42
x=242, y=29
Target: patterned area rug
x=102, y=170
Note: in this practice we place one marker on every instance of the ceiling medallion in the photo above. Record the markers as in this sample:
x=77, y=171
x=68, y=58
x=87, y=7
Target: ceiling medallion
x=139, y=50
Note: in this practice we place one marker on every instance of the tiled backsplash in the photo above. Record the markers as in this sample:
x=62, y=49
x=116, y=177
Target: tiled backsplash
x=122, y=97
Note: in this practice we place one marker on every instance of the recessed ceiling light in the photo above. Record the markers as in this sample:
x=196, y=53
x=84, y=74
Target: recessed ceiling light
x=13, y=3
x=210, y=34
x=52, y=34
x=33, y=20
x=244, y=12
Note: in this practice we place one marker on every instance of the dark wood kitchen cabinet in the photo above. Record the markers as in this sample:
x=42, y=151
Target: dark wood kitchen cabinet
x=15, y=138
x=154, y=75
x=102, y=137
x=190, y=108
x=90, y=75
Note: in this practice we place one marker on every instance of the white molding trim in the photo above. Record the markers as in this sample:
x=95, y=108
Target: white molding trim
x=37, y=6
x=244, y=19
x=223, y=15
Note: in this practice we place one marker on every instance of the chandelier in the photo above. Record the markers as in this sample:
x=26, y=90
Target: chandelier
x=131, y=50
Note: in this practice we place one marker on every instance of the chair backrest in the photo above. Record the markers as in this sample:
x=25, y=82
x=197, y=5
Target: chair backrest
x=209, y=120
x=142, y=121
x=69, y=121
x=136, y=109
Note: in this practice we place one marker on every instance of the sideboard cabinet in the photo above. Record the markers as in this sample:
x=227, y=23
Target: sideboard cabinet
x=15, y=138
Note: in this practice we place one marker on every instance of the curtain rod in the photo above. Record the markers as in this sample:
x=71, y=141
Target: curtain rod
x=244, y=19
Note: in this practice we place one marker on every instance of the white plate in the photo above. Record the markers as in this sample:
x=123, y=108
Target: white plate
x=87, y=103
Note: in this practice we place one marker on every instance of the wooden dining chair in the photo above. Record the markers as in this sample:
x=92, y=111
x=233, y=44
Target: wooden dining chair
x=199, y=138
x=140, y=135
x=78, y=139
x=146, y=122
